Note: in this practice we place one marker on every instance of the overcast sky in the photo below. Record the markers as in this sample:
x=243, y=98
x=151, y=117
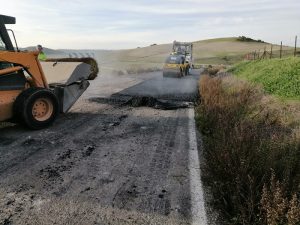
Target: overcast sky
x=115, y=24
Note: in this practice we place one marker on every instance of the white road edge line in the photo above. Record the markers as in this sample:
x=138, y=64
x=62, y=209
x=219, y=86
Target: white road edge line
x=197, y=195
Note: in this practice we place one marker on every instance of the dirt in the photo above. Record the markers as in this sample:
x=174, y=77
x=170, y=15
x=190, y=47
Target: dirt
x=111, y=160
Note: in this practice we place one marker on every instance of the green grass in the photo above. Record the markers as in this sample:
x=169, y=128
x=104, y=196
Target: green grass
x=280, y=77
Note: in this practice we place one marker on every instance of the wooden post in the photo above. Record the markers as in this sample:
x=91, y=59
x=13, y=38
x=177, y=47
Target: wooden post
x=281, y=50
x=271, y=52
x=255, y=55
x=265, y=52
x=295, y=52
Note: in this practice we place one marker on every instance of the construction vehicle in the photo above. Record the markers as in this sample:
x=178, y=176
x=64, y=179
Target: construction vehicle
x=25, y=94
x=175, y=66
x=180, y=61
x=184, y=48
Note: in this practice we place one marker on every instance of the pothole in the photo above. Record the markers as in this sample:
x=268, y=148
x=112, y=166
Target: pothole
x=144, y=101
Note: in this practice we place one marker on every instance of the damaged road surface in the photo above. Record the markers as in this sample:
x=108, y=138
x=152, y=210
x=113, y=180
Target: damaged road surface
x=107, y=161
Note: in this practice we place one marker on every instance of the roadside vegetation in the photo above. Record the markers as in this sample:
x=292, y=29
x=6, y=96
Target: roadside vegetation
x=252, y=142
x=280, y=77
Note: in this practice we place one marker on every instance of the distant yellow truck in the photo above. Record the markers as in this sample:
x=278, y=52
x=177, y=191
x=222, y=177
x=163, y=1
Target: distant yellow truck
x=186, y=49
x=176, y=66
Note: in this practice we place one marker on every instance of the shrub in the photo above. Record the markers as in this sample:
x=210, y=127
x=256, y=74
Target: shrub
x=244, y=139
x=247, y=39
x=213, y=70
x=276, y=208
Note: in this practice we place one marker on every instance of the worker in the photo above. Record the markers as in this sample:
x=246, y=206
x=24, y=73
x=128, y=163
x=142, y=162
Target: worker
x=42, y=55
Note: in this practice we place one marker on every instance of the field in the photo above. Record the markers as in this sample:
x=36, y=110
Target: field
x=213, y=51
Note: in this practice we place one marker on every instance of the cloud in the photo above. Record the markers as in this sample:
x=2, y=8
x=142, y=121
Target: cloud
x=131, y=23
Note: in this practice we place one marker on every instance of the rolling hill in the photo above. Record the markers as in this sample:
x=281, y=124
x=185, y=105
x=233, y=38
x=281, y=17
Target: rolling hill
x=212, y=51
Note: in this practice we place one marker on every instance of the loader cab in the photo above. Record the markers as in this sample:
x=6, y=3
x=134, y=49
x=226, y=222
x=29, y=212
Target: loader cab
x=15, y=80
x=25, y=95
x=5, y=42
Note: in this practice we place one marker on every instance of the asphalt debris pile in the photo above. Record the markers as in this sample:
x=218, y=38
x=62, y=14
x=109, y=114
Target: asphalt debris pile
x=144, y=101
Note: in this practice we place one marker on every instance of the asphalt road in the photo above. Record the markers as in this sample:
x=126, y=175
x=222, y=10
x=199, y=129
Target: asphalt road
x=105, y=162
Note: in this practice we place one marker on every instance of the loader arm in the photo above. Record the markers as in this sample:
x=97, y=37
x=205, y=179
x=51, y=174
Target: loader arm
x=29, y=62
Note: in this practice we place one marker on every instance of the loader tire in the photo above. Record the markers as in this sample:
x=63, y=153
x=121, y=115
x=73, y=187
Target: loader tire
x=36, y=108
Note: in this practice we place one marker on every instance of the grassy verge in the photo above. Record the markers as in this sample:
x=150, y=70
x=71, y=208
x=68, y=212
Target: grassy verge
x=280, y=77
x=252, y=149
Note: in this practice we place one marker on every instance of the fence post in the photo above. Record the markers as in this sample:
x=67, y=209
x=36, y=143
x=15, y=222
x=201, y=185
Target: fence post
x=271, y=52
x=254, y=55
x=281, y=50
x=295, y=52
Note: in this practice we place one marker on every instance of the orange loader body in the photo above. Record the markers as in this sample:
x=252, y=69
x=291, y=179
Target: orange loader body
x=25, y=95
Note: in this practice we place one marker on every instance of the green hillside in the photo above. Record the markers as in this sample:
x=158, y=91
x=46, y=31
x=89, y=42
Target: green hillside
x=213, y=51
x=280, y=77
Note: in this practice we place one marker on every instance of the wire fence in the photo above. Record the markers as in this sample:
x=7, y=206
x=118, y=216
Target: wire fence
x=274, y=51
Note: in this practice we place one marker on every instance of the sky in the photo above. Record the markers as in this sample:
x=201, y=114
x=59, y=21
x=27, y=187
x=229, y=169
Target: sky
x=122, y=24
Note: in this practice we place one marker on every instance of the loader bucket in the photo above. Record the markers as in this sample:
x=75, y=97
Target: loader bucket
x=69, y=80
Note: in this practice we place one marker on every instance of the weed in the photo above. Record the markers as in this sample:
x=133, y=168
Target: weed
x=244, y=138
x=247, y=39
x=275, y=206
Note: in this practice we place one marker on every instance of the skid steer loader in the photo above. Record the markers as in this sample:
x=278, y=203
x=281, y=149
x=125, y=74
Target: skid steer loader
x=25, y=94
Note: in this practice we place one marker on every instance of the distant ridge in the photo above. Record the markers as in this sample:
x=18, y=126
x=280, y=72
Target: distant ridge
x=48, y=51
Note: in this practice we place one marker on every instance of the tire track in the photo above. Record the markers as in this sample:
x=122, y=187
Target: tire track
x=147, y=193
x=49, y=140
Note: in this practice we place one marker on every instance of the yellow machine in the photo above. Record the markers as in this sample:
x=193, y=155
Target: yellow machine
x=186, y=49
x=25, y=94
x=175, y=66
x=180, y=62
